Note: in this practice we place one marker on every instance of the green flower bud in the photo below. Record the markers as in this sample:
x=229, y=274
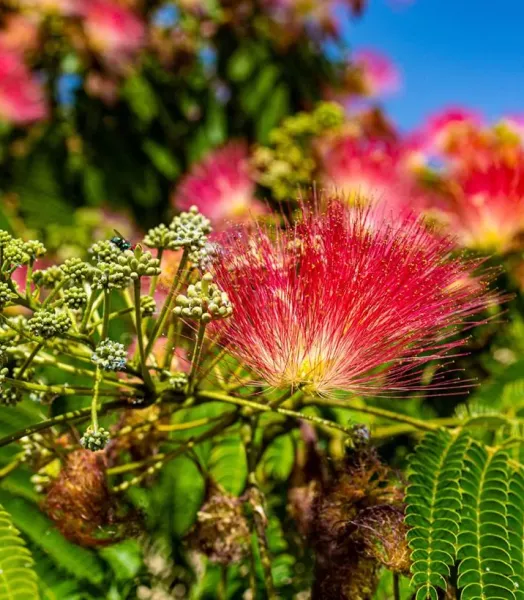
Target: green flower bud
x=204, y=302
x=190, y=229
x=110, y=356
x=49, y=277
x=147, y=306
x=75, y=297
x=6, y=295
x=178, y=382
x=49, y=323
x=5, y=238
x=14, y=254
x=34, y=249
x=77, y=270
x=95, y=441
x=104, y=251
x=161, y=237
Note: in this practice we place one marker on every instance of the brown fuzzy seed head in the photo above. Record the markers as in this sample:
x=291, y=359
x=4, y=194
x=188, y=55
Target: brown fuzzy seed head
x=78, y=501
x=382, y=532
x=221, y=531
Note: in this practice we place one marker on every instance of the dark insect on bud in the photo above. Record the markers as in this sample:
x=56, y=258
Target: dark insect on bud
x=120, y=242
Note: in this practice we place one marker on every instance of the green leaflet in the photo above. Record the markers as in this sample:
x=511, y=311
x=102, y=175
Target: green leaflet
x=515, y=507
x=227, y=464
x=18, y=581
x=485, y=569
x=77, y=561
x=465, y=507
x=433, y=506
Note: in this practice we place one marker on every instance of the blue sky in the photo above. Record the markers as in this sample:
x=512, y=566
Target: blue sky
x=467, y=52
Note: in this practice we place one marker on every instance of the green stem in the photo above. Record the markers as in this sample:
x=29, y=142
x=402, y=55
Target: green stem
x=29, y=360
x=170, y=344
x=28, y=280
x=107, y=310
x=87, y=311
x=140, y=338
x=10, y=467
x=53, y=293
x=68, y=417
x=373, y=410
x=396, y=586
x=257, y=501
x=159, y=459
x=94, y=401
x=154, y=279
x=114, y=315
x=64, y=390
x=168, y=304
x=195, y=359
x=267, y=408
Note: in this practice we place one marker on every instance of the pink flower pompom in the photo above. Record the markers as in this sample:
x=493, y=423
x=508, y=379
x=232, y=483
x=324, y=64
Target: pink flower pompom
x=380, y=76
x=332, y=304
x=486, y=210
x=114, y=31
x=21, y=96
x=221, y=187
x=370, y=172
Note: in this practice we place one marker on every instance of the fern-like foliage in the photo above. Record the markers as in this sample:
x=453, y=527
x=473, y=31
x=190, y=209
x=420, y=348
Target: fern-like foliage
x=18, y=581
x=465, y=507
x=433, y=506
x=485, y=569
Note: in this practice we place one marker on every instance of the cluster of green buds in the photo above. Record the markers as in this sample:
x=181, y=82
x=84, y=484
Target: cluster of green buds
x=6, y=295
x=147, y=306
x=9, y=395
x=288, y=163
x=204, y=302
x=15, y=252
x=110, y=356
x=187, y=230
x=49, y=277
x=95, y=440
x=75, y=297
x=34, y=450
x=76, y=270
x=49, y=323
x=178, y=382
x=116, y=268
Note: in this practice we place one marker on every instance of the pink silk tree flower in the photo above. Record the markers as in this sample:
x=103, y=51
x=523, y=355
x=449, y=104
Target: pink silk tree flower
x=221, y=187
x=370, y=172
x=113, y=31
x=21, y=96
x=486, y=210
x=379, y=74
x=452, y=131
x=332, y=304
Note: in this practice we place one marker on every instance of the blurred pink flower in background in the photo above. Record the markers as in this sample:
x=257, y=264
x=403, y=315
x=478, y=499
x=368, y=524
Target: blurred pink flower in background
x=19, y=33
x=379, y=74
x=113, y=30
x=446, y=127
x=21, y=96
x=221, y=187
x=370, y=172
x=486, y=207
x=64, y=7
